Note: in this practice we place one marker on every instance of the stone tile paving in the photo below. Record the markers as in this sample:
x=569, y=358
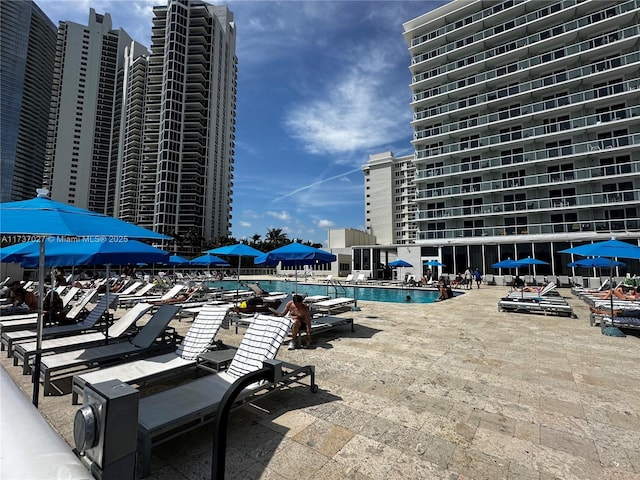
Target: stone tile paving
x=452, y=390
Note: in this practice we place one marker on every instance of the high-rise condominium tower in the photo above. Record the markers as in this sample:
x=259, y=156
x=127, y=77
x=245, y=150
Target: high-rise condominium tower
x=526, y=128
x=27, y=51
x=86, y=105
x=189, y=131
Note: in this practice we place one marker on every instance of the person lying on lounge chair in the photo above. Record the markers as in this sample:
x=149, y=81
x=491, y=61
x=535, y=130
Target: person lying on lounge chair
x=183, y=297
x=300, y=314
x=618, y=293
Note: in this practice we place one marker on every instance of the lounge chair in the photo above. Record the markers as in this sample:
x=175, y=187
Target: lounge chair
x=89, y=323
x=70, y=295
x=24, y=351
x=324, y=323
x=138, y=296
x=535, y=305
x=173, y=412
x=334, y=304
x=349, y=278
x=81, y=305
x=548, y=292
x=311, y=299
x=198, y=339
x=257, y=289
x=24, y=321
x=19, y=321
x=361, y=278
x=144, y=343
x=131, y=289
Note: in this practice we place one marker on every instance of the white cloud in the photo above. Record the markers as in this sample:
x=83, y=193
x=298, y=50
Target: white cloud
x=326, y=224
x=283, y=216
x=245, y=224
x=356, y=110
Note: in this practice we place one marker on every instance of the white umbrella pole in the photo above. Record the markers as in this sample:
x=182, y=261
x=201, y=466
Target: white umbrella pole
x=38, y=358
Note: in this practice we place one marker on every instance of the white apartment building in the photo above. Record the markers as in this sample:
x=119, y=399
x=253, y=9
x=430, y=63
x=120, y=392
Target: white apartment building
x=80, y=163
x=390, y=194
x=189, y=130
x=526, y=129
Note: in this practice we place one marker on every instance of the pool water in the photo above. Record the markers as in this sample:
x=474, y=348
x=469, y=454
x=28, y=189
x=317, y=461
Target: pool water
x=374, y=294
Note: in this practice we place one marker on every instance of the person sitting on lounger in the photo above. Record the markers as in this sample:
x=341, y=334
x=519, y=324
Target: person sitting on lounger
x=300, y=314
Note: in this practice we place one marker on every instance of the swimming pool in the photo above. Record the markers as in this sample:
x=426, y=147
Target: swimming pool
x=374, y=294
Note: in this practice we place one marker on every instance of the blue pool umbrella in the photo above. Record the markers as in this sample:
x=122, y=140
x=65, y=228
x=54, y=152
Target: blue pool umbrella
x=596, y=262
x=399, y=263
x=89, y=251
x=237, y=250
x=208, y=259
x=508, y=263
x=294, y=255
x=14, y=253
x=531, y=261
x=610, y=249
x=434, y=263
x=42, y=217
x=178, y=260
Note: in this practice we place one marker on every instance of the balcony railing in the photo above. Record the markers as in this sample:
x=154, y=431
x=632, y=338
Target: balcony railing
x=563, y=151
x=613, y=225
x=567, y=202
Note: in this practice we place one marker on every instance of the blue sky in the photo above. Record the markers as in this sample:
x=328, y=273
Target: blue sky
x=321, y=86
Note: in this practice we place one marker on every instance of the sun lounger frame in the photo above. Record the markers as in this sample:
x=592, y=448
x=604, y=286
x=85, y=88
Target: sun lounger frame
x=199, y=339
x=24, y=351
x=152, y=338
x=535, y=306
x=286, y=373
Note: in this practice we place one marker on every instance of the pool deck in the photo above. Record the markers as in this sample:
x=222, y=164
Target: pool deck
x=450, y=390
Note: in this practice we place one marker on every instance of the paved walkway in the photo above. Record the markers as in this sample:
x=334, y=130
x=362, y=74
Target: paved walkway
x=452, y=390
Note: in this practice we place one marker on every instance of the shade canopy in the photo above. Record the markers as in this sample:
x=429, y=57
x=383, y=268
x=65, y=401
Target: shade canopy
x=43, y=216
x=295, y=254
x=531, y=261
x=434, y=263
x=15, y=253
x=178, y=260
x=596, y=262
x=610, y=248
x=399, y=263
x=237, y=250
x=508, y=263
x=87, y=251
x=208, y=259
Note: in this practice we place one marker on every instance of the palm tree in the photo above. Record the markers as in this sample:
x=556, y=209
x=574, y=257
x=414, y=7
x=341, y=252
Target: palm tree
x=256, y=241
x=276, y=238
